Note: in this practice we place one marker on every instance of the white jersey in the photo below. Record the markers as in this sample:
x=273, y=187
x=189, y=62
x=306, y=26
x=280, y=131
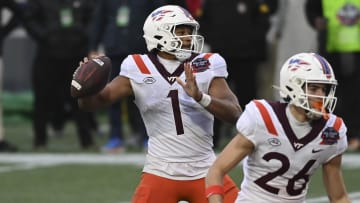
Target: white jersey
x=280, y=167
x=180, y=130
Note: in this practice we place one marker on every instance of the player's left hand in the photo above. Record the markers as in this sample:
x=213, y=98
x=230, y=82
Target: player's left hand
x=190, y=85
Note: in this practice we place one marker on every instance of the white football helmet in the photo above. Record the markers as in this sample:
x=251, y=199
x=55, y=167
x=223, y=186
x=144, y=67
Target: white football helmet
x=295, y=75
x=159, y=31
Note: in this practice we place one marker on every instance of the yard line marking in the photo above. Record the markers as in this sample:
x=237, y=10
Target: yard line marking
x=24, y=166
x=28, y=161
x=349, y=160
x=48, y=158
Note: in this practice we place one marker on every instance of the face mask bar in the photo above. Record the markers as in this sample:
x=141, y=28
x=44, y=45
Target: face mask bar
x=175, y=45
x=326, y=104
x=196, y=46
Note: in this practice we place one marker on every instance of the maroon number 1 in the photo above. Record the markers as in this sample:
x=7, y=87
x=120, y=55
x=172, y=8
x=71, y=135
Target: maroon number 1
x=173, y=94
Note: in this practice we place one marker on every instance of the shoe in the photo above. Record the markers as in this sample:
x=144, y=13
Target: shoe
x=354, y=144
x=114, y=146
x=7, y=147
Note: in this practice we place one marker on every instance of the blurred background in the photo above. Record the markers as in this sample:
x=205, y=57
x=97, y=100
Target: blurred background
x=289, y=34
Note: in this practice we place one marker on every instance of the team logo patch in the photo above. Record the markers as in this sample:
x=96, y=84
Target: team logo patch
x=274, y=142
x=329, y=136
x=349, y=14
x=200, y=65
x=149, y=80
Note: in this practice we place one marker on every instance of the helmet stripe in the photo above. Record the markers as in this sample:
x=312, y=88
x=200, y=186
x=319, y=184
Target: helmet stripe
x=324, y=64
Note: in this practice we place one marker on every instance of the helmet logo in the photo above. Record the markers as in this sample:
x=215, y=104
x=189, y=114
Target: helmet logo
x=349, y=14
x=158, y=15
x=296, y=63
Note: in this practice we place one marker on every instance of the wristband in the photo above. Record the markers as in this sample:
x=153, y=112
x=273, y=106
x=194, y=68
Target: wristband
x=205, y=100
x=214, y=190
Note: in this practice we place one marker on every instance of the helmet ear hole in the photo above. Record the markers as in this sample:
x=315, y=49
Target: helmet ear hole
x=287, y=99
x=158, y=37
x=159, y=47
x=289, y=89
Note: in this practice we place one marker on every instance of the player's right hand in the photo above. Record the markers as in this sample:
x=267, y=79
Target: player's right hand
x=190, y=85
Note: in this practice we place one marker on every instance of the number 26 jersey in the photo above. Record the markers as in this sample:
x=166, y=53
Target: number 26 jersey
x=280, y=167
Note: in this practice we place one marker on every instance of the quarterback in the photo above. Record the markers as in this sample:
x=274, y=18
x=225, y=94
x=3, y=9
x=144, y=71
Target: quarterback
x=178, y=90
x=282, y=144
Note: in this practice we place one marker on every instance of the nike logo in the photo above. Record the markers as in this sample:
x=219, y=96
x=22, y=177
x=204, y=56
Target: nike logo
x=316, y=150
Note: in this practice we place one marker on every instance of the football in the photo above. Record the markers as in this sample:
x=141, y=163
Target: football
x=91, y=77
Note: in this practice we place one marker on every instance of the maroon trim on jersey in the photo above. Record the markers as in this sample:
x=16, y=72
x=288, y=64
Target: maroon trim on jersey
x=140, y=64
x=169, y=77
x=266, y=117
x=317, y=127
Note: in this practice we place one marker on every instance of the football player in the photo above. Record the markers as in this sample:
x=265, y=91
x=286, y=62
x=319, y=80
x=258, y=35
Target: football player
x=178, y=90
x=281, y=144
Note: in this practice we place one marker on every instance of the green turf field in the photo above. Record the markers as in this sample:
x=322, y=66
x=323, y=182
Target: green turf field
x=57, y=182
x=64, y=173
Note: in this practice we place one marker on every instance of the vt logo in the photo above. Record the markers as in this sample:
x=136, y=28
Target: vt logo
x=171, y=79
x=298, y=145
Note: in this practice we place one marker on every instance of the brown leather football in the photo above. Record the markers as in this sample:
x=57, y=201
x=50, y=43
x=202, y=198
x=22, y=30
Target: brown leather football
x=91, y=77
